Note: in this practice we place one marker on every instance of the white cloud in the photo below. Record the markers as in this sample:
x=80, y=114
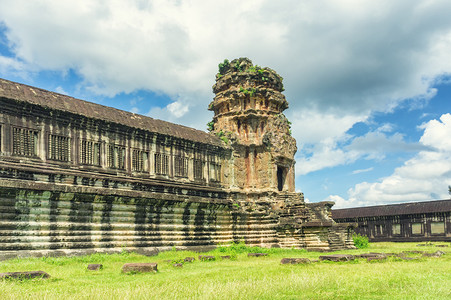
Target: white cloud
x=362, y=170
x=60, y=89
x=342, y=60
x=424, y=177
x=178, y=108
x=335, y=55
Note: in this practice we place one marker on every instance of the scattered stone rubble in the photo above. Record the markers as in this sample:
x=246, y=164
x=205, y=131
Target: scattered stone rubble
x=257, y=254
x=140, y=267
x=24, y=275
x=95, y=267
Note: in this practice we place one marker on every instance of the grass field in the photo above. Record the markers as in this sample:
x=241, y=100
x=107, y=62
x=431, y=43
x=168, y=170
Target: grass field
x=242, y=277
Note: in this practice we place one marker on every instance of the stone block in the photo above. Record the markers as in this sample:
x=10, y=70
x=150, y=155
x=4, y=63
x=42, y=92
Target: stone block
x=24, y=275
x=295, y=261
x=206, y=258
x=178, y=265
x=337, y=257
x=435, y=254
x=379, y=258
x=189, y=259
x=95, y=267
x=140, y=267
x=226, y=257
x=257, y=254
x=372, y=255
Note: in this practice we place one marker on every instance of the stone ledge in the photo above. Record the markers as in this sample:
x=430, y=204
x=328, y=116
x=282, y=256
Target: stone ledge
x=24, y=275
x=140, y=267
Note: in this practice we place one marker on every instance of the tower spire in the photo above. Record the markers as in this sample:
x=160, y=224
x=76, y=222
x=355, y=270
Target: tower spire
x=248, y=114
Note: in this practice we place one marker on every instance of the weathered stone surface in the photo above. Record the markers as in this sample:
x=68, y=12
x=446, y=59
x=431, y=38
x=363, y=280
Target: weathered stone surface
x=189, y=259
x=206, y=258
x=95, y=267
x=257, y=254
x=124, y=179
x=368, y=259
x=295, y=261
x=372, y=255
x=24, y=275
x=337, y=257
x=140, y=267
x=435, y=254
x=413, y=252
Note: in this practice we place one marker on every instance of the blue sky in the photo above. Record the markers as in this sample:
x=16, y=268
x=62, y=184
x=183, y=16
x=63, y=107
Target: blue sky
x=368, y=82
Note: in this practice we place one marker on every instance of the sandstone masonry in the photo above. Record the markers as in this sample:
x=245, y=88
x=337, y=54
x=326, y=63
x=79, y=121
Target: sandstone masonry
x=77, y=177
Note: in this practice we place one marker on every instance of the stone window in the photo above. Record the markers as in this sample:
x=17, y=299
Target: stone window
x=161, y=164
x=379, y=230
x=140, y=160
x=90, y=153
x=437, y=227
x=396, y=229
x=198, y=169
x=59, y=147
x=116, y=157
x=281, y=177
x=417, y=228
x=180, y=166
x=215, y=171
x=25, y=142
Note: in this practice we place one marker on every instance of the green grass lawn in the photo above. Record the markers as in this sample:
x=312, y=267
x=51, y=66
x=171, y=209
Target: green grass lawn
x=240, y=278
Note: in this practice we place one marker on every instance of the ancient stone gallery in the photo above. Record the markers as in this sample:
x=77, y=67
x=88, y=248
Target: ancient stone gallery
x=78, y=177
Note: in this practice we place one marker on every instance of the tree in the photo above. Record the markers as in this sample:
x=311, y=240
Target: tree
x=449, y=189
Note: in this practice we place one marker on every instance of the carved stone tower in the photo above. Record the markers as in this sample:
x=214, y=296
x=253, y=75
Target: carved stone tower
x=248, y=115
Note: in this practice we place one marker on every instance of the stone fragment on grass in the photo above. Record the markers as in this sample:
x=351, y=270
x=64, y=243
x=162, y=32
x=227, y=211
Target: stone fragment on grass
x=24, y=275
x=337, y=257
x=295, y=261
x=178, y=265
x=442, y=246
x=379, y=258
x=371, y=254
x=189, y=259
x=206, y=258
x=257, y=254
x=435, y=254
x=413, y=252
x=140, y=267
x=95, y=267
x=226, y=257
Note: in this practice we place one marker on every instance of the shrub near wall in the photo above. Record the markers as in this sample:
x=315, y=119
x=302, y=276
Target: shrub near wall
x=360, y=241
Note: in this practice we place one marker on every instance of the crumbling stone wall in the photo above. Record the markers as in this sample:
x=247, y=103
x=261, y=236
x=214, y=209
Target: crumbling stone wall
x=77, y=177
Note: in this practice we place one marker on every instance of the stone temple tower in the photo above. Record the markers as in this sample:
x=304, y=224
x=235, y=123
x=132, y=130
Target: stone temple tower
x=248, y=115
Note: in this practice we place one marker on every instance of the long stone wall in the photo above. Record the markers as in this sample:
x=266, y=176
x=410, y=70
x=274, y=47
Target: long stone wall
x=78, y=178
x=37, y=222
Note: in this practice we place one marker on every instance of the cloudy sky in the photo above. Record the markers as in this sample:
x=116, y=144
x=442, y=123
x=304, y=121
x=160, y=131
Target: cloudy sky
x=368, y=82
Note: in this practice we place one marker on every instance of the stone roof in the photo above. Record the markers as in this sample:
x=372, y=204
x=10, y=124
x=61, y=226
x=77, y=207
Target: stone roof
x=37, y=96
x=393, y=209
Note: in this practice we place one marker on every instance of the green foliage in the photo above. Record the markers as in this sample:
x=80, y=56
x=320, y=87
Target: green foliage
x=211, y=126
x=449, y=189
x=360, y=241
x=249, y=92
x=222, y=136
x=238, y=67
x=223, y=66
x=234, y=248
